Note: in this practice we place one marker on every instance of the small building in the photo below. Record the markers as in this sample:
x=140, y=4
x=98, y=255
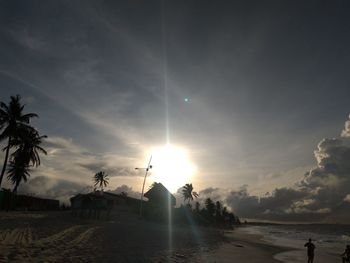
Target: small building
x=11, y=201
x=97, y=203
x=89, y=205
x=159, y=196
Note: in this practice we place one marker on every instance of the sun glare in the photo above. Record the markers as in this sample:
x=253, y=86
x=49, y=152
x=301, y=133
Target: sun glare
x=171, y=166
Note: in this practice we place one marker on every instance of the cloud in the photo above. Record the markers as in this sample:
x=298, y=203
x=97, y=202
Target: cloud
x=64, y=155
x=68, y=169
x=28, y=39
x=110, y=168
x=106, y=75
x=47, y=187
x=57, y=143
x=323, y=190
x=126, y=189
x=346, y=131
x=347, y=198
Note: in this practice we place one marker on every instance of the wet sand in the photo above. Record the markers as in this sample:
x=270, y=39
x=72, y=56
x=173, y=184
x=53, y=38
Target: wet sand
x=296, y=256
x=243, y=248
x=289, y=251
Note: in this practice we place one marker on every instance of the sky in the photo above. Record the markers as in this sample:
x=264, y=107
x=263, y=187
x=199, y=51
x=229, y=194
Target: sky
x=247, y=90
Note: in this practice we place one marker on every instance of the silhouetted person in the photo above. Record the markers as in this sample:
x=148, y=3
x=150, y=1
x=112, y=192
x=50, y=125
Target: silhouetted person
x=346, y=254
x=310, y=251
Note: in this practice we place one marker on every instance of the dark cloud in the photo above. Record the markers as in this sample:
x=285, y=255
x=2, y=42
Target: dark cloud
x=126, y=171
x=323, y=191
x=346, y=131
x=47, y=187
x=126, y=189
x=95, y=166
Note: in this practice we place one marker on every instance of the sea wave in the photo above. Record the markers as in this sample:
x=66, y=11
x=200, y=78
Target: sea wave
x=295, y=236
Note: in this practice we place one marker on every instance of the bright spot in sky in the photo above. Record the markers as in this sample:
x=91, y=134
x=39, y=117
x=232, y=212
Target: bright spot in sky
x=186, y=100
x=171, y=166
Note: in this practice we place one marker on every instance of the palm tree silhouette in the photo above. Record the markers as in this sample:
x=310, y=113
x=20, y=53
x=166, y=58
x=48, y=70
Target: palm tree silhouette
x=218, y=209
x=11, y=120
x=101, y=179
x=197, y=207
x=18, y=171
x=210, y=207
x=188, y=193
x=28, y=144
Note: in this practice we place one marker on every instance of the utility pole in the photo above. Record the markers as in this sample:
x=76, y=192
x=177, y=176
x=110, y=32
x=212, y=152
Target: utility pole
x=149, y=166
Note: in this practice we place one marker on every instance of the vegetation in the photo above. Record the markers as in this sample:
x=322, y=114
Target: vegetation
x=212, y=213
x=20, y=136
x=101, y=180
x=28, y=146
x=18, y=171
x=188, y=193
x=210, y=207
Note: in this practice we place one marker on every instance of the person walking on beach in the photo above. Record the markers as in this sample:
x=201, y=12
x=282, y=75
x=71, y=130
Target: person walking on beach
x=310, y=251
x=346, y=254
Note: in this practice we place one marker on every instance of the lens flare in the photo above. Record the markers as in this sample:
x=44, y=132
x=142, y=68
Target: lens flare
x=171, y=166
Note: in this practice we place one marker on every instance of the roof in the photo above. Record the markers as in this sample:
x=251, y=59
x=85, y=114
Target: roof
x=106, y=195
x=89, y=195
x=158, y=192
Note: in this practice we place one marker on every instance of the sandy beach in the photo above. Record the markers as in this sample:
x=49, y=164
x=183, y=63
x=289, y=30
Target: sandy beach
x=59, y=237
x=45, y=237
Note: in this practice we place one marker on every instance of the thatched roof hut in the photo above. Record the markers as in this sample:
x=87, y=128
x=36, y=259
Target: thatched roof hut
x=159, y=195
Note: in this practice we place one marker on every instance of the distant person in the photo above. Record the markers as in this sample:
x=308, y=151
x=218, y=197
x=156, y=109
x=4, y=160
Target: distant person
x=346, y=254
x=310, y=251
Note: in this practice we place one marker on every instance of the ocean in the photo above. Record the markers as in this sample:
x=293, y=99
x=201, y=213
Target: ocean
x=330, y=240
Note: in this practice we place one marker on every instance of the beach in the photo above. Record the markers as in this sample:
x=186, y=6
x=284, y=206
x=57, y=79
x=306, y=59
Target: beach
x=290, y=240
x=45, y=237
x=243, y=248
x=124, y=237
x=59, y=237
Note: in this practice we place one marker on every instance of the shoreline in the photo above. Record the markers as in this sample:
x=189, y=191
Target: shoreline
x=246, y=247
x=243, y=248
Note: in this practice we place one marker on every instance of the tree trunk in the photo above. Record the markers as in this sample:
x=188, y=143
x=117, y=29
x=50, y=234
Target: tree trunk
x=5, y=161
x=15, y=188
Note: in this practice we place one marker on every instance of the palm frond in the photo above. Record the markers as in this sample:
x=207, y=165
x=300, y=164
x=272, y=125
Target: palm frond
x=28, y=116
x=4, y=106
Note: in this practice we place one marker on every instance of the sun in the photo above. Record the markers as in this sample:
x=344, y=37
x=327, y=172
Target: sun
x=171, y=166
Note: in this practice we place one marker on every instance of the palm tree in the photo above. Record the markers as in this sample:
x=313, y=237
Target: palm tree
x=28, y=144
x=210, y=207
x=18, y=171
x=27, y=152
x=101, y=179
x=197, y=207
x=218, y=209
x=224, y=212
x=11, y=120
x=188, y=193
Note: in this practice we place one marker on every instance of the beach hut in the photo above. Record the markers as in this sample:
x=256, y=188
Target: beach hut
x=89, y=205
x=159, y=196
x=92, y=204
x=12, y=201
